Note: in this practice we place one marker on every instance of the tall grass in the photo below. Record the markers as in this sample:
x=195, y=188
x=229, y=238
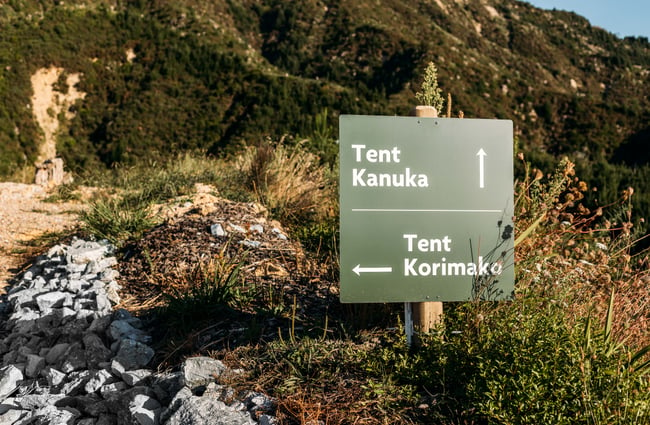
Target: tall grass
x=116, y=220
x=288, y=180
x=124, y=212
x=209, y=287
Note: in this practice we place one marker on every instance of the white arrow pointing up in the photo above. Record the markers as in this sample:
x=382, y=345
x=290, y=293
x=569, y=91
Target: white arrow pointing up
x=358, y=270
x=481, y=168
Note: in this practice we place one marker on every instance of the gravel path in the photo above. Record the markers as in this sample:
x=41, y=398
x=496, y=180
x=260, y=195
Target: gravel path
x=25, y=217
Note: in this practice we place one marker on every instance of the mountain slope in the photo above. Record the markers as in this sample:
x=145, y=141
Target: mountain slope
x=163, y=76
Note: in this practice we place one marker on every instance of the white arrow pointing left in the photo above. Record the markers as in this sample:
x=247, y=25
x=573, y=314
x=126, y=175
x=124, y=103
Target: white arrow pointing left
x=358, y=270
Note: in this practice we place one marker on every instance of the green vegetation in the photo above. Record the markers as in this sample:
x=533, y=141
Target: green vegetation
x=209, y=289
x=563, y=351
x=123, y=210
x=288, y=180
x=64, y=193
x=116, y=220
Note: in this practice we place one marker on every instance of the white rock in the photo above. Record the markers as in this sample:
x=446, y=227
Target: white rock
x=217, y=230
x=112, y=292
x=8, y=404
x=104, y=305
x=76, y=285
x=122, y=329
x=56, y=251
x=208, y=411
x=259, y=402
x=279, y=234
x=23, y=297
x=257, y=228
x=96, y=351
x=74, y=359
x=46, y=302
x=38, y=401
x=145, y=410
x=84, y=252
x=134, y=355
x=54, y=377
x=112, y=391
x=9, y=378
x=267, y=420
x=55, y=415
x=55, y=353
x=199, y=371
x=250, y=244
x=135, y=377
x=98, y=380
x=12, y=416
x=236, y=228
x=76, y=383
x=117, y=368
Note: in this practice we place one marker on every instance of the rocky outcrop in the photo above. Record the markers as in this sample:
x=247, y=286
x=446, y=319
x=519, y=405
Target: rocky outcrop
x=50, y=173
x=69, y=358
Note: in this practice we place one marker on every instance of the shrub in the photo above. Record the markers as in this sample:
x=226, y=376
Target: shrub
x=528, y=362
x=559, y=352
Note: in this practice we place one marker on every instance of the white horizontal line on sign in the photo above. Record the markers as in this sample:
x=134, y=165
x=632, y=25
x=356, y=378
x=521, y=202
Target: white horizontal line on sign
x=416, y=210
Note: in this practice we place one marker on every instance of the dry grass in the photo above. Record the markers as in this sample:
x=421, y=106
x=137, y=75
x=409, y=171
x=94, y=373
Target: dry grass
x=288, y=180
x=591, y=252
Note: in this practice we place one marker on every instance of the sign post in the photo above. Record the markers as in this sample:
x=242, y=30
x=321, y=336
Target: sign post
x=426, y=209
x=423, y=315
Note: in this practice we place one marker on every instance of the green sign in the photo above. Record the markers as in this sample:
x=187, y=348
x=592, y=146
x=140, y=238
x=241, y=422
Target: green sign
x=426, y=209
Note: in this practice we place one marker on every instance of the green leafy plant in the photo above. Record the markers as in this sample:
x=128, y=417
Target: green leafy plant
x=127, y=213
x=615, y=381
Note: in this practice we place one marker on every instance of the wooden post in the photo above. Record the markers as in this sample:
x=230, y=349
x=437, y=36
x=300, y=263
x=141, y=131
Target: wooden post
x=425, y=314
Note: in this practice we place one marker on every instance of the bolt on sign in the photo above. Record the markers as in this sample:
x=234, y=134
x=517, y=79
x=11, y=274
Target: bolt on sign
x=426, y=209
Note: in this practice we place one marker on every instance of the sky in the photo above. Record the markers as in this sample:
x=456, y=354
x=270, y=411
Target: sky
x=621, y=17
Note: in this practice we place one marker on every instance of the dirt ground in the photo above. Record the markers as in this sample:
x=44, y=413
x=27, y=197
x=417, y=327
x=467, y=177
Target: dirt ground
x=27, y=225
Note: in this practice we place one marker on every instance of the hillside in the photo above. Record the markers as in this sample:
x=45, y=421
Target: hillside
x=162, y=76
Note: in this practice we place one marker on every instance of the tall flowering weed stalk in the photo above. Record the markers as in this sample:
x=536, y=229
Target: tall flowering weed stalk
x=431, y=95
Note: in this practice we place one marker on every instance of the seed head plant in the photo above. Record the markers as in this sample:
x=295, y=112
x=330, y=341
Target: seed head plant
x=431, y=93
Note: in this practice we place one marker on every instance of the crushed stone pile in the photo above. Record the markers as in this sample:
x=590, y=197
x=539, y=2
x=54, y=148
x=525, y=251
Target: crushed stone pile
x=69, y=358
